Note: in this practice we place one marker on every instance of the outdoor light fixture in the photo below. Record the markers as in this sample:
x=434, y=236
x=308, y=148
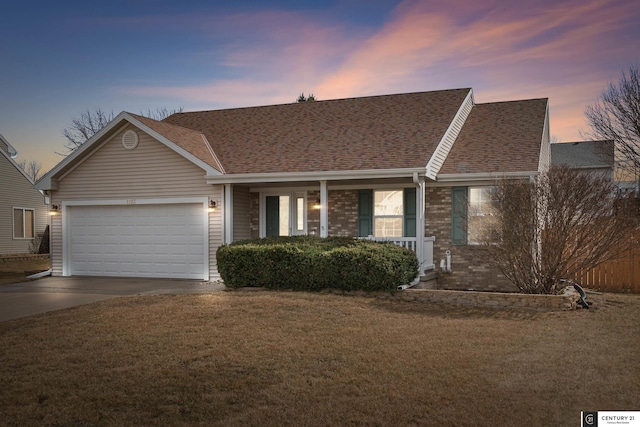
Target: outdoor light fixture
x=317, y=205
x=54, y=210
x=212, y=205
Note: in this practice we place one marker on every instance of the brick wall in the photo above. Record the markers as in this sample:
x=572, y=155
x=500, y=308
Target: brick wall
x=469, y=270
x=343, y=213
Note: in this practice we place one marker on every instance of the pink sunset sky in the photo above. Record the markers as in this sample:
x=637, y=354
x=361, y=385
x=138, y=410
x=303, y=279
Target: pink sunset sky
x=62, y=60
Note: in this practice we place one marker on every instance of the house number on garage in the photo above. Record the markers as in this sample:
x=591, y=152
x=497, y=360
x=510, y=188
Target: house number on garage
x=131, y=201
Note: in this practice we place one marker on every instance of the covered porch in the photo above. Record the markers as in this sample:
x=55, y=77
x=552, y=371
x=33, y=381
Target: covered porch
x=383, y=209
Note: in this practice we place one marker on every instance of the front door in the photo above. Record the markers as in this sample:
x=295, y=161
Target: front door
x=273, y=216
x=285, y=215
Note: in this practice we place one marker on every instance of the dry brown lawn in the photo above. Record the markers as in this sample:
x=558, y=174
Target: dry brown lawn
x=300, y=359
x=17, y=271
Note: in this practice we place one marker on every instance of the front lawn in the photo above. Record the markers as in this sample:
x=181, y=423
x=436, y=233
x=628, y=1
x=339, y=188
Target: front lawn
x=286, y=358
x=14, y=271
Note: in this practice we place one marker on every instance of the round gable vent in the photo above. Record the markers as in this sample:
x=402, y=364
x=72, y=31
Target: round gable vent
x=130, y=140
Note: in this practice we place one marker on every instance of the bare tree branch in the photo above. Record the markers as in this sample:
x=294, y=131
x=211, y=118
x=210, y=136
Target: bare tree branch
x=565, y=221
x=31, y=168
x=91, y=122
x=160, y=113
x=84, y=127
x=616, y=117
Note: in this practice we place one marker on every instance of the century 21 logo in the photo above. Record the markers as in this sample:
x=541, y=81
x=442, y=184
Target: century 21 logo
x=589, y=419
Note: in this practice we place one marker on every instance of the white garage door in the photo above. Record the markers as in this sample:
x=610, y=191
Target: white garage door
x=165, y=241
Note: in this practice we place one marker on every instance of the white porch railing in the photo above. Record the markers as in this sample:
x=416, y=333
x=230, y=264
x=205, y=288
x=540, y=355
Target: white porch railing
x=426, y=263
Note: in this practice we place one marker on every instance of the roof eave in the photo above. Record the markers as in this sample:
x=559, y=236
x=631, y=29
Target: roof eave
x=266, y=177
x=457, y=178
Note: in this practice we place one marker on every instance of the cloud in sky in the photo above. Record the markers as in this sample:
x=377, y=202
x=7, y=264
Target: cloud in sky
x=203, y=55
x=503, y=50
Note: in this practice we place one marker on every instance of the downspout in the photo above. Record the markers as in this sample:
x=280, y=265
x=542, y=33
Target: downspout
x=410, y=285
x=39, y=275
x=419, y=183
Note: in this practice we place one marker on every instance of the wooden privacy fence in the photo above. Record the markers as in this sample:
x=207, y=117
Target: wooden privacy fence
x=619, y=275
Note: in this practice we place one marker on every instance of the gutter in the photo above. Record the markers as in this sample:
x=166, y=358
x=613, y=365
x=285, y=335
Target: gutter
x=247, y=178
x=483, y=176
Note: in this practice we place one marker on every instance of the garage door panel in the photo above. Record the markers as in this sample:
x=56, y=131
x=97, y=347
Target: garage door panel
x=138, y=240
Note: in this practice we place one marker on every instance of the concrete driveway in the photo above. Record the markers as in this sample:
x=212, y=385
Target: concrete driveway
x=54, y=293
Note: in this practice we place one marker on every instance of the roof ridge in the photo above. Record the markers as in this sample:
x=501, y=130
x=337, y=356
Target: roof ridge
x=323, y=101
x=513, y=100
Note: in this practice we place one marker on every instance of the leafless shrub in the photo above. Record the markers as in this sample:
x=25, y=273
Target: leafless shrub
x=546, y=229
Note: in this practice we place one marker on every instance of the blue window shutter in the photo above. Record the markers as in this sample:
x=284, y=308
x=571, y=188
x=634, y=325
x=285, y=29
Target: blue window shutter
x=365, y=213
x=459, y=204
x=410, y=212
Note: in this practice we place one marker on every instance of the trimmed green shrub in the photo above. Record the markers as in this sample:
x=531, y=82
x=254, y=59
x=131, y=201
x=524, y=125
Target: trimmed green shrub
x=311, y=264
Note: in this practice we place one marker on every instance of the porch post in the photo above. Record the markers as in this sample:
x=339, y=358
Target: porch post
x=324, y=209
x=228, y=213
x=420, y=222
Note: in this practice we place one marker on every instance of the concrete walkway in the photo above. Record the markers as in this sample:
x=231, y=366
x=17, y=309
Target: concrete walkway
x=54, y=293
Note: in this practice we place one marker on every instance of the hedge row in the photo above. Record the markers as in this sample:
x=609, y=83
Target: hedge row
x=311, y=264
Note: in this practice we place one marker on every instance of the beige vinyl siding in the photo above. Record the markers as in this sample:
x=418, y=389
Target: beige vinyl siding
x=18, y=192
x=450, y=136
x=241, y=213
x=150, y=171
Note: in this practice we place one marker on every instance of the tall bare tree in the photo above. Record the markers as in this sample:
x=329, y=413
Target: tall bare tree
x=84, y=127
x=616, y=116
x=31, y=168
x=541, y=231
x=90, y=122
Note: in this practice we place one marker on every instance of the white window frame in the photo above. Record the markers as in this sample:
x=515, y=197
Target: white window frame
x=395, y=216
x=24, y=223
x=477, y=210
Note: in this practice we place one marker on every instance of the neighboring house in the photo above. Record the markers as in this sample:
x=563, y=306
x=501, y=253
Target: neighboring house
x=23, y=209
x=157, y=198
x=596, y=157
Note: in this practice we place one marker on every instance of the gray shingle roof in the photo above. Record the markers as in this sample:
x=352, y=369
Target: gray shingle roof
x=499, y=137
x=584, y=154
x=377, y=132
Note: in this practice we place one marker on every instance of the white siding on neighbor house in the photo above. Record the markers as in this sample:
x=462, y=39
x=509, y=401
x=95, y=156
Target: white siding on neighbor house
x=241, y=213
x=444, y=147
x=150, y=171
x=18, y=192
